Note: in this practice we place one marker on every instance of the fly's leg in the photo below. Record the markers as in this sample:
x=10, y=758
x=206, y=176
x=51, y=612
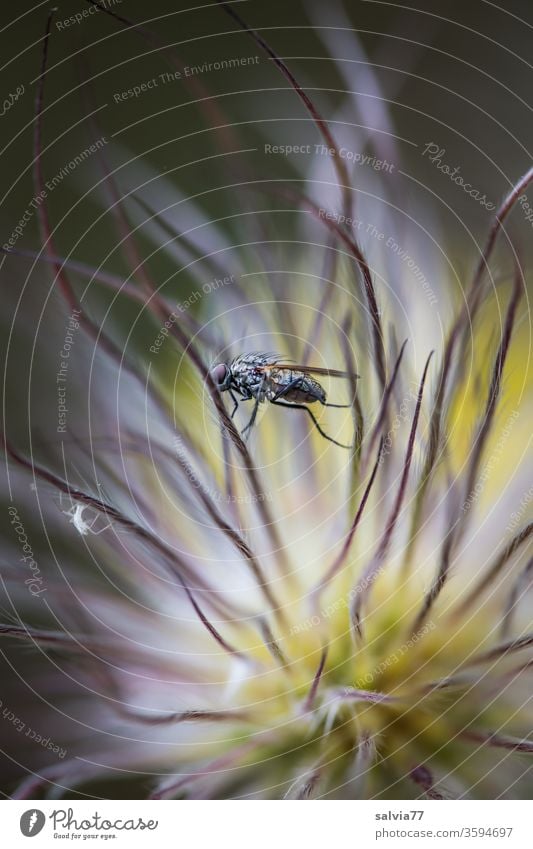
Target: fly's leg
x=235, y=402
x=252, y=418
x=296, y=384
x=338, y=406
x=315, y=422
x=255, y=409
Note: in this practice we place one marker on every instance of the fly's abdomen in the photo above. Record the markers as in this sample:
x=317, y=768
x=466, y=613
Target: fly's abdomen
x=305, y=391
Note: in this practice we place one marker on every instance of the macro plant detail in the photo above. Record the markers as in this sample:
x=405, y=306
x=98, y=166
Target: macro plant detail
x=197, y=608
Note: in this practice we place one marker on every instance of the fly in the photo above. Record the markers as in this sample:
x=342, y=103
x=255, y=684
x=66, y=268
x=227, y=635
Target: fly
x=263, y=377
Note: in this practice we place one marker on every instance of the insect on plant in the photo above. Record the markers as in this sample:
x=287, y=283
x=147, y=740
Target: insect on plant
x=263, y=377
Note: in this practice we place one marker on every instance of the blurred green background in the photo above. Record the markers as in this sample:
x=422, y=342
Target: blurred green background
x=454, y=73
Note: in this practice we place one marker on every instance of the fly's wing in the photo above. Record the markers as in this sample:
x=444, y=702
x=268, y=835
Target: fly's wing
x=327, y=372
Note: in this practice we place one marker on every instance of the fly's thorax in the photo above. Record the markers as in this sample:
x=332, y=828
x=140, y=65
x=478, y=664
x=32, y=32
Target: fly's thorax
x=245, y=376
x=248, y=369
